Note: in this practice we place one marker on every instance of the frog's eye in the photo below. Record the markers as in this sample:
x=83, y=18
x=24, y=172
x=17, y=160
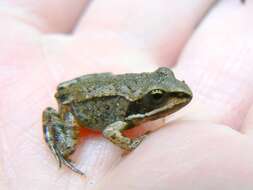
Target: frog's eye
x=157, y=95
x=151, y=101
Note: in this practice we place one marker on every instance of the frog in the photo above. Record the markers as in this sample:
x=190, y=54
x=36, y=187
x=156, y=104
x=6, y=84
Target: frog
x=110, y=103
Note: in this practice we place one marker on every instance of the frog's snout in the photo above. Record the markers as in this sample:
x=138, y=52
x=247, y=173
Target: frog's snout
x=183, y=92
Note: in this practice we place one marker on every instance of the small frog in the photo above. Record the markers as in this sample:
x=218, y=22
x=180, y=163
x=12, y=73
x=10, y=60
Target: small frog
x=110, y=104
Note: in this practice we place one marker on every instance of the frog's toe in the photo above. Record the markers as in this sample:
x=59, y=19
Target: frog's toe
x=69, y=163
x=136, y=142
x=56, y=153
x=57, y=156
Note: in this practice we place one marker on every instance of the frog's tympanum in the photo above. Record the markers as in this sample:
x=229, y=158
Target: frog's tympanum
x=110, y=104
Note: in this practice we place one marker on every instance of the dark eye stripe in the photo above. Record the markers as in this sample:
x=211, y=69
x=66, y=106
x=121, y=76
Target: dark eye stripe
x=149, y=102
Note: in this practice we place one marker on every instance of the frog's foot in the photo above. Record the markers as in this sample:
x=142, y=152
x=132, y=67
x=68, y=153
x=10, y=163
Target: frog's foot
x=113, y=132
x=136, y=142
x=60, y=137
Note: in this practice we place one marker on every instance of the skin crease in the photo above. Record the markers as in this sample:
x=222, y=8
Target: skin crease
x=208, y=147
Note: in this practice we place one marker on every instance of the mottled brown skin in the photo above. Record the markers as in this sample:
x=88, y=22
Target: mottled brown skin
x=110, y=104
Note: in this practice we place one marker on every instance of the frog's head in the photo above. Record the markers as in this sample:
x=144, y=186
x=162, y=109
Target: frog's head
x=163, y=95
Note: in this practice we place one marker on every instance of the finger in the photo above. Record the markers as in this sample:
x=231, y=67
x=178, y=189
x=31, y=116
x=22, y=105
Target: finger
x=247, y=127
x=217, y=63
x=186, y=156
x=160, y=27
x=45, y=15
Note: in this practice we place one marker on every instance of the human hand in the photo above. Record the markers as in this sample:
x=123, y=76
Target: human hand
x=209, y=148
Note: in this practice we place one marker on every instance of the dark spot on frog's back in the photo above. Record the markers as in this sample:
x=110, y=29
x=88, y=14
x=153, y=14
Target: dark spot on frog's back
x=62, y=98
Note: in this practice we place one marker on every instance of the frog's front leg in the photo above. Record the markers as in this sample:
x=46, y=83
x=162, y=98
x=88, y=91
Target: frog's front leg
x=60, y=134
x=113, y=132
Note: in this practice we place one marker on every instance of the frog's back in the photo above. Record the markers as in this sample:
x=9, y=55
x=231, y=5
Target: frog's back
x=101, y=85
x=80, y=88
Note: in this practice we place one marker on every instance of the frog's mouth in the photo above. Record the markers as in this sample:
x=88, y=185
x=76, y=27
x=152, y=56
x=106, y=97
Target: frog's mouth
x=172, y=105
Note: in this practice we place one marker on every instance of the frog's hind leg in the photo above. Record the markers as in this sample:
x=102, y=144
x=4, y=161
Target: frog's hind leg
x=61, y=136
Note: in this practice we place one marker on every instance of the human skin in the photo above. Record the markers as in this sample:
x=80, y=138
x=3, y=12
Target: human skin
x=208, y=146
